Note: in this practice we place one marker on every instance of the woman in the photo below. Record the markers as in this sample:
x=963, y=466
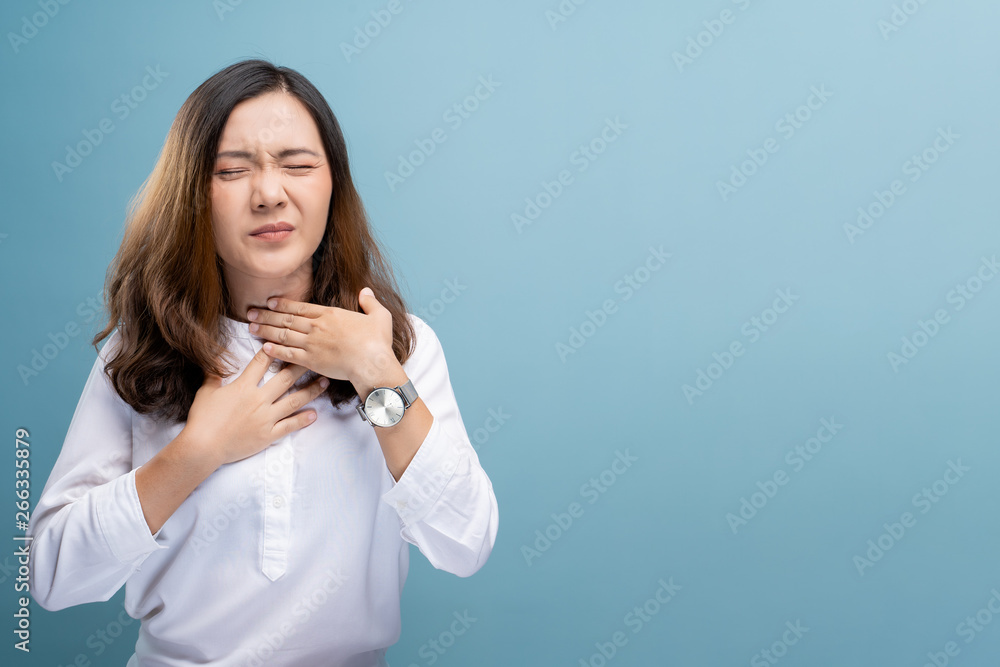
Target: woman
x=267, y=427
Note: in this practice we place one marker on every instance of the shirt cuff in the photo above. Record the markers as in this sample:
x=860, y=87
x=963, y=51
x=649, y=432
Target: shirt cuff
x=122, y=522
x=427, y=475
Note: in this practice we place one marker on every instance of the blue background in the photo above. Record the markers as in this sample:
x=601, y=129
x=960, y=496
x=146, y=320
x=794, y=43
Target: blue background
x=889, y=88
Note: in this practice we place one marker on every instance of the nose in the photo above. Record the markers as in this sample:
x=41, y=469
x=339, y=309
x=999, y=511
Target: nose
x=267, y=190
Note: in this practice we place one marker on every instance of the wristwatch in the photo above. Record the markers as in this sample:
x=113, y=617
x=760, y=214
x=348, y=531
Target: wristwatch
x=385, y=405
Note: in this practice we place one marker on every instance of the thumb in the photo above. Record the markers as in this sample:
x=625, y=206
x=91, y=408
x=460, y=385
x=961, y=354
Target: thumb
x=367, y=300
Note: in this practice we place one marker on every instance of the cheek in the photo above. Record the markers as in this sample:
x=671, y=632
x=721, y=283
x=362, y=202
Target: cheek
x=223, y=204
x=226, y=243
x=225, y=222
x=322, y=207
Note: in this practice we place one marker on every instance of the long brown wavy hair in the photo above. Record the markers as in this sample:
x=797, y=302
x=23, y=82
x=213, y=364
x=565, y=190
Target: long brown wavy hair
x=165, y=290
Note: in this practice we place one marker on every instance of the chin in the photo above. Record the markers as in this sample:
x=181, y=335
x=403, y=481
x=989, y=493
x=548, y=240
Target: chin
x=275, y=267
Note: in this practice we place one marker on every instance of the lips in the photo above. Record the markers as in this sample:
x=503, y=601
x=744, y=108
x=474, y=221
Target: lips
x=272, y=227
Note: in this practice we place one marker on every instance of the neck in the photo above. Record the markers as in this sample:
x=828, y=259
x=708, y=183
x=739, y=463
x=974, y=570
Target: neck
x=246, y=292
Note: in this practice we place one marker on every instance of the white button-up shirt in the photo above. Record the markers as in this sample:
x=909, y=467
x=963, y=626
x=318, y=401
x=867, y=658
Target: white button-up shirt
x=296, y=555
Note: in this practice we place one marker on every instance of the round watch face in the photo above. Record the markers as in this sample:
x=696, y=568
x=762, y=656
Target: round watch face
x=384, y=407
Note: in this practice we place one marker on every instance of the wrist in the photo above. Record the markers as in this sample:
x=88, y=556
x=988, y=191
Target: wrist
x=380, y=369
x=196, y=451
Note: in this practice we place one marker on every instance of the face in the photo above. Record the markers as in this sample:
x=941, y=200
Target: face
x=270, y=172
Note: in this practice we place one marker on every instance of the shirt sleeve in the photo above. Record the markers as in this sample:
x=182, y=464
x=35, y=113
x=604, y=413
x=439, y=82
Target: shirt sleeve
x=444, y=498
x=88, y=530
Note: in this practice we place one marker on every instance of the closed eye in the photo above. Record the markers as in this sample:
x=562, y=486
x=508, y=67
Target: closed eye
x=231, y=172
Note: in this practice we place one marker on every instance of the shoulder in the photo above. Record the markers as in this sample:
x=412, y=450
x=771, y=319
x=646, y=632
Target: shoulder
x=108, y=352
x=417, y=322
x=110, y=348
x=420, y=328
x=426, y=349
x=99, y=389
x=423, y=333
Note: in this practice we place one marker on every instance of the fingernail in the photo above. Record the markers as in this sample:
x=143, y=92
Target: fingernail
x=252, y=315
x=325, y=382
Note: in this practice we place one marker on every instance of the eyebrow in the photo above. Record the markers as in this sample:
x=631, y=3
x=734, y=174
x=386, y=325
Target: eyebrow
x=288, y=152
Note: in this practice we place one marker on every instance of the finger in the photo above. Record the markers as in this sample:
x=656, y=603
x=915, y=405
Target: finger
x=257, y=367
x=301, y=308
x=283, y=381
x=270, y=319
x=296, y=400
x=293, y=423
x=366, y=299
x=282, y=335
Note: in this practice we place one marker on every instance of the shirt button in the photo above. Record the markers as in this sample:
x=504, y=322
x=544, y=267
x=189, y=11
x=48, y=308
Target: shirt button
x=274, y=367
x=278, y=501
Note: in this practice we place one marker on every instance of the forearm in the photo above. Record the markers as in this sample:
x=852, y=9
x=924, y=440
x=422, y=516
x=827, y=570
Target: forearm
x=400, y=442
x=167, y=479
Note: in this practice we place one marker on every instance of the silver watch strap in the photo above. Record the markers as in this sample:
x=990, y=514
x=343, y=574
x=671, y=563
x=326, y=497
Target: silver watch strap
x=408, y=392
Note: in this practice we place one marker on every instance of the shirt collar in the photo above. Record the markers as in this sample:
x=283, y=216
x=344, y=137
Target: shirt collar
x=237, y=329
